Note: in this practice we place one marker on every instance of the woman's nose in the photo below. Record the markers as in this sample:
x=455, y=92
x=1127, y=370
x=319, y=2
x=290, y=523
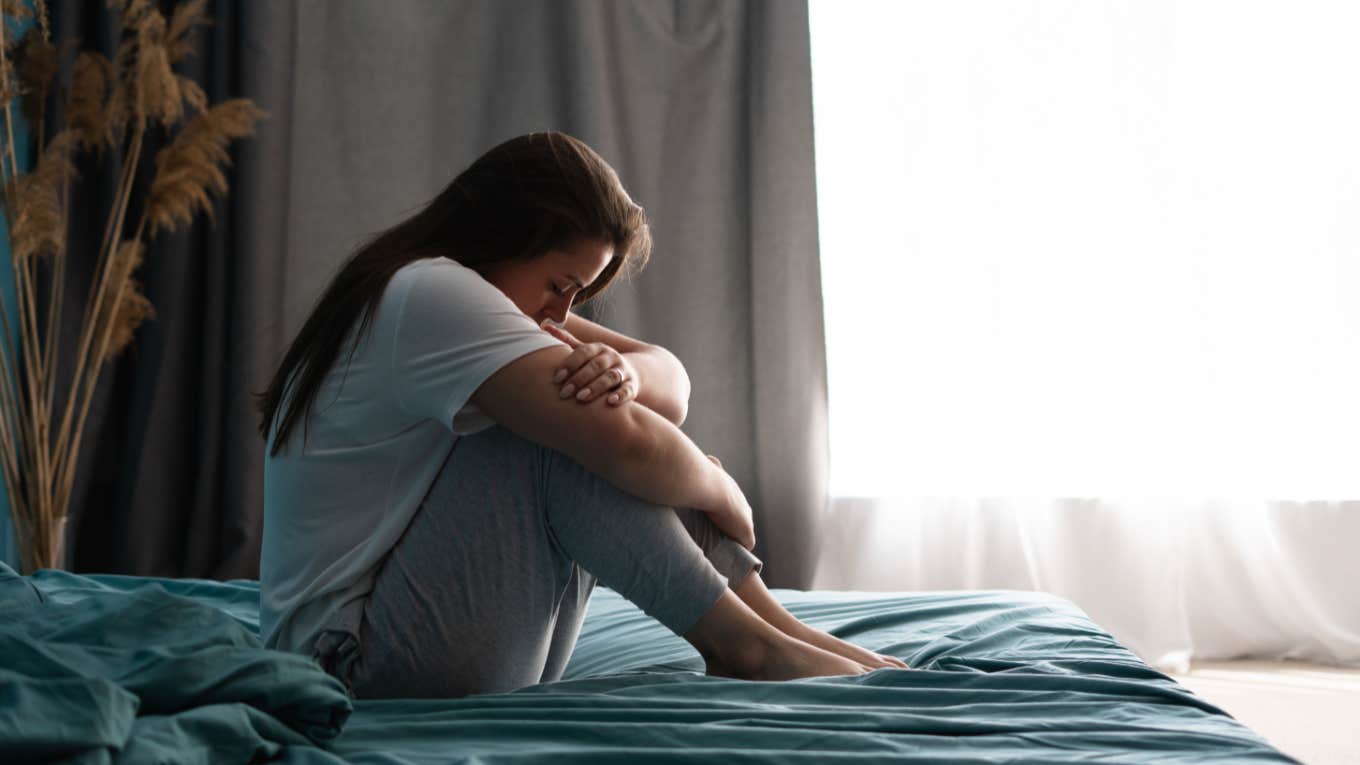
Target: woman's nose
x=557, y=311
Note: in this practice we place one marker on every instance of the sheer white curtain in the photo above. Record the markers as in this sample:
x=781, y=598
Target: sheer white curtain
x=1092, y=293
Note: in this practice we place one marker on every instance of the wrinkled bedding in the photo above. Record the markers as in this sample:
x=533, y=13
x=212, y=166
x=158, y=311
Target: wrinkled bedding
x=131, y=669
x=142, y=674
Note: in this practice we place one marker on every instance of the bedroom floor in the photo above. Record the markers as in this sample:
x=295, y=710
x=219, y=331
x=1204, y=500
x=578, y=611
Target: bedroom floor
x=1308, y=711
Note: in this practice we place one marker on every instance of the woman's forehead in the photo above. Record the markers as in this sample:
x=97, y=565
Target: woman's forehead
x=587, y=257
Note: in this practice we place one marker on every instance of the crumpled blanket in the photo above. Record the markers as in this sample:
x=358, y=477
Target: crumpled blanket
x=101, y=675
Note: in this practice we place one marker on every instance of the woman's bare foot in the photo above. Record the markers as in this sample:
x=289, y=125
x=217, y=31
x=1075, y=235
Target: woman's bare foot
x=787, y=659
x=736, y=642
x=829, y=642
x=753, y=592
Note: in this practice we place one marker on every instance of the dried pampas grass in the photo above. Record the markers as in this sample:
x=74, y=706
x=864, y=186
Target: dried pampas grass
x=182, y=21
x=36, y=62
x=131, y=307
x=37, y=224
x=110, y=105
x=192, y=165
x=156, y=86
x=131, y=13
x=16, y=9
x=89, y=114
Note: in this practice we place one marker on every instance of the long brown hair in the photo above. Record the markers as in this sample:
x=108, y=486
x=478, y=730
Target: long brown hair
x=529, y=195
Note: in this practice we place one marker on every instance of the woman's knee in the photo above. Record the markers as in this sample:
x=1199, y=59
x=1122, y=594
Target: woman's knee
x=579, y=502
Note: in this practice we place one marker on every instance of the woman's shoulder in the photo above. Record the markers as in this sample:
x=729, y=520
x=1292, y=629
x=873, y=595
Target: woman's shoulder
x=435, y=269
x=427, y=262
x=437, y=279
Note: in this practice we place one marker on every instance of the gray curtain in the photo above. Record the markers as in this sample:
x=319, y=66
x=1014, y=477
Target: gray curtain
x=704, y=108
x=169, y=481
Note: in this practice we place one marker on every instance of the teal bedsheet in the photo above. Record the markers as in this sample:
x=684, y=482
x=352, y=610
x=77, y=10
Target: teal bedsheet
x=129, y=669
x=129, y=672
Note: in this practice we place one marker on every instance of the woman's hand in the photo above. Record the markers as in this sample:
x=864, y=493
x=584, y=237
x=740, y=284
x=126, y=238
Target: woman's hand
x=734, y=518
x=593, y=369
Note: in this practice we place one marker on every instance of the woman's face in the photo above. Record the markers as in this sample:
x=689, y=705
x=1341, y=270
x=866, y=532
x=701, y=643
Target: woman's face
x=544, y=287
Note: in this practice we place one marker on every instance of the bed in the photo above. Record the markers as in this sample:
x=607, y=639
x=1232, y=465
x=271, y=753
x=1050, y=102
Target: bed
x=129, y=669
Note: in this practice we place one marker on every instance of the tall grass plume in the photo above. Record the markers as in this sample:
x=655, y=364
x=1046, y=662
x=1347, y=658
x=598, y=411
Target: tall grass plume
x=110, y=105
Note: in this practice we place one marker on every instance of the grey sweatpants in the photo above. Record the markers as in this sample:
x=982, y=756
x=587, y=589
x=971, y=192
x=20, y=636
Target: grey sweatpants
x=487, y=588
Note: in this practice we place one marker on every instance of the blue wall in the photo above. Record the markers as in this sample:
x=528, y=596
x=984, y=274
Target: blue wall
x=9, y=546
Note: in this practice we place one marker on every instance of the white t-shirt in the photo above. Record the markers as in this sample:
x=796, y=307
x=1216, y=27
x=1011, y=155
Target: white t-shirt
x=378, y=433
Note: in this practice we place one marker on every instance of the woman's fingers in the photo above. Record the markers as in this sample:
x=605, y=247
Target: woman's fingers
x=612, y=379
x=575, y=364
x=623, y=394
x=593, y=369
x=560, y=334
x=585, y=364
x=609, y=379
x=579, y=368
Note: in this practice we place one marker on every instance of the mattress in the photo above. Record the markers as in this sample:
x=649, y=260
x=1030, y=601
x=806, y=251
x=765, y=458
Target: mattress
x=131, y=669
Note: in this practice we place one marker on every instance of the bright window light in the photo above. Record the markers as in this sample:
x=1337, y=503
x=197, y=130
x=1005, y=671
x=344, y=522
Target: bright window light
x=1075, y=248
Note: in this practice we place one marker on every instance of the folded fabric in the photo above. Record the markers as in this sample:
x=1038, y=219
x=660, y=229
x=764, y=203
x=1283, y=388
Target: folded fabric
x=141, y=673
x=42, y=719
x=17, y=590
x=997, y=676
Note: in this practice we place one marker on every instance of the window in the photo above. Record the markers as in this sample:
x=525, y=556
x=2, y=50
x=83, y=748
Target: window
x=1089, y=248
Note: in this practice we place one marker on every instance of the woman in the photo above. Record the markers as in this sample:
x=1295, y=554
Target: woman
x=479, y=456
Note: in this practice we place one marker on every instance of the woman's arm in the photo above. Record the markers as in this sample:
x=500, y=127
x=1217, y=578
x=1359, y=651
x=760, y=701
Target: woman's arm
x=663, y=384
x=630, y=446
